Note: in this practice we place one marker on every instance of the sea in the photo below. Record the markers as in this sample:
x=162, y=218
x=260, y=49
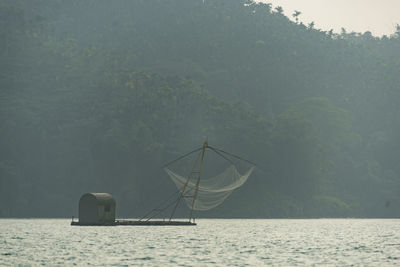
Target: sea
x=213, y=242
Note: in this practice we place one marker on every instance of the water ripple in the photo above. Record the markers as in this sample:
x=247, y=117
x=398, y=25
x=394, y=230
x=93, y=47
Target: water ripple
x=54, y=242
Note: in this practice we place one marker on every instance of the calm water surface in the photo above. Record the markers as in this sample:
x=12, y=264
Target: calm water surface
x=212, y=242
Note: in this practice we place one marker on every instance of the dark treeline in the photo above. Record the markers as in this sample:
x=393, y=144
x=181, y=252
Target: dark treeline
x=97, y=95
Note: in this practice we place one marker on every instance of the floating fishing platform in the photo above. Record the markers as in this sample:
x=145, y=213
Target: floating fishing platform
x=98, y=209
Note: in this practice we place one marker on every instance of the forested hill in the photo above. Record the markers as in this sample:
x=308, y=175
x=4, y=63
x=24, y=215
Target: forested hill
x=96, y=95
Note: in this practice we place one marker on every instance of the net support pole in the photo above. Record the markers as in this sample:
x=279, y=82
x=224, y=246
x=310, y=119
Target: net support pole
x=196, y=188
x=200, y=156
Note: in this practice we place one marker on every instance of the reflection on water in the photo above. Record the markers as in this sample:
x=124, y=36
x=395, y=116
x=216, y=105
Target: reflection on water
x=220, y=242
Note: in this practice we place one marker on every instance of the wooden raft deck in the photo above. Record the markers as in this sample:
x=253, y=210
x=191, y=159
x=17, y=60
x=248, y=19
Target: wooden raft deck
x=140, y=223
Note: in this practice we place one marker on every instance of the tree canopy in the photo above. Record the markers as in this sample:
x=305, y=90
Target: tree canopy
x=96, y=95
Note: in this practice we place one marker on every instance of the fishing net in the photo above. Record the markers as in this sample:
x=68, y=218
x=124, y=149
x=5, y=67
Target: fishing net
x=212, y=191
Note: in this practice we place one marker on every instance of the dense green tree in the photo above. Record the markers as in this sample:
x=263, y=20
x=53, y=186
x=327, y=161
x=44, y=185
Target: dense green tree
x=95, y=95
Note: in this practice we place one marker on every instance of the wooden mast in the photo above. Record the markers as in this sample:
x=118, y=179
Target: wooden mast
x=195, y=170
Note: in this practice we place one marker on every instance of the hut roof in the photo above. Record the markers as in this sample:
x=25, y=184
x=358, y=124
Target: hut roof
x=102, y=198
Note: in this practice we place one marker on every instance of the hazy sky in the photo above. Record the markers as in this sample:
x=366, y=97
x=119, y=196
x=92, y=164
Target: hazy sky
x=377, y=16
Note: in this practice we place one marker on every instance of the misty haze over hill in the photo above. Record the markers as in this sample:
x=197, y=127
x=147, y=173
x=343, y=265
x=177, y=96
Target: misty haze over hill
x=97, y=95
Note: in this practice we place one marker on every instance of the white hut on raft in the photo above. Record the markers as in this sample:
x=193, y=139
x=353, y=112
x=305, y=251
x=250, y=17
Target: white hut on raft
x=96, y=209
